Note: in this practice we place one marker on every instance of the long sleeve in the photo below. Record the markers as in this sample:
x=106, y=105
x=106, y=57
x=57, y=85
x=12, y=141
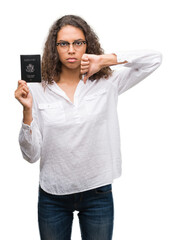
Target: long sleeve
x=30, y=140
x=140, y=65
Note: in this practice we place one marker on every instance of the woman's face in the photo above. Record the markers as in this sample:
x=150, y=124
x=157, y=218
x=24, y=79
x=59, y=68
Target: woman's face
x=70, y=55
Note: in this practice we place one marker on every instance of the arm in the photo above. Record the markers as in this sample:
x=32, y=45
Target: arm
x=140, y=65
x=91, y=63
x=136, y=66
x=29, y=137
x=30, y=141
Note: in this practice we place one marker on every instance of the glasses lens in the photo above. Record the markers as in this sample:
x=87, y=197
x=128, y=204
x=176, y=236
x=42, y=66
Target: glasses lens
x=76, y=44
x=64, y=45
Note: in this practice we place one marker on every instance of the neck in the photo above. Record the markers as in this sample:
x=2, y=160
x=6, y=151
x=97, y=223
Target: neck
x=69, y=76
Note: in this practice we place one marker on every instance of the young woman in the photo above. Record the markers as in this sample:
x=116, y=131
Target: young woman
x=70, y=123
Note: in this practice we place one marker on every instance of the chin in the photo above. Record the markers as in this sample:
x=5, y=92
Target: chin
x=72, y=67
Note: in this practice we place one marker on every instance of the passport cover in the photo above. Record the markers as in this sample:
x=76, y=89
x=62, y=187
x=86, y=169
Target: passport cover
x=31, y=68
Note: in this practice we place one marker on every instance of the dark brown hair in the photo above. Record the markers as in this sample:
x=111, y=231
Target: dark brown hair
x=51, y=65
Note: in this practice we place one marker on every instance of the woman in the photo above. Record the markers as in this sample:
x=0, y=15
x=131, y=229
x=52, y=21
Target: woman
x=70, y=123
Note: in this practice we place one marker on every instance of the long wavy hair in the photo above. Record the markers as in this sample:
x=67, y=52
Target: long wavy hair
x=51, y=65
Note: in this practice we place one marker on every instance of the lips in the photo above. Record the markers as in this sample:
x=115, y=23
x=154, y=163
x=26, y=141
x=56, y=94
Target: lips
x=71, y=60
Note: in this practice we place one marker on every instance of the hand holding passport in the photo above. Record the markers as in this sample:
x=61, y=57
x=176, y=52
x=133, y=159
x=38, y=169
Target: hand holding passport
x=31, y=68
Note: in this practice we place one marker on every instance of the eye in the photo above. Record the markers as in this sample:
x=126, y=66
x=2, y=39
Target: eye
x=64, y=44
x=77, y=43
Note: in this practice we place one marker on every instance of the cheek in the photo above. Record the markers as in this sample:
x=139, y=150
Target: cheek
x=85, y=49
x=60, y=56
x=82, y=52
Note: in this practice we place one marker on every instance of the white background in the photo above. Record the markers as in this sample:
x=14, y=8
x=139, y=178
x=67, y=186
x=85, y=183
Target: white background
x=145, y=196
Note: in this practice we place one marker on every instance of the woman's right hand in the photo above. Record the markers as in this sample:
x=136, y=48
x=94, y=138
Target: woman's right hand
x=23, y=95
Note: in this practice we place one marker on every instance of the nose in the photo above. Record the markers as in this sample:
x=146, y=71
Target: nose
x=71, y=48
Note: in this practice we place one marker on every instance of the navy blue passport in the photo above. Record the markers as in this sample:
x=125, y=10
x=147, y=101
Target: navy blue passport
x=31, y=68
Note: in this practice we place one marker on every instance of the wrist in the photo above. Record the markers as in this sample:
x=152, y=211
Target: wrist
x=27, y=109
x=107, y=60
x=27, y=115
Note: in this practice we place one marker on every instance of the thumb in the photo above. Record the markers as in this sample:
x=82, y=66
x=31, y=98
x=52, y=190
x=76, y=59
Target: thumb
x=85, y=77
x=84, y=57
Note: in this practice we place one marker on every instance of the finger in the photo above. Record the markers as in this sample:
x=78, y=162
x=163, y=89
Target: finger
x=84, y=67
x=23, y=91
x=84, y=57
x=24, y=94
x=16, y=94
x=84, y=70
x=20, y=82
x=23, y=87
x=19, y=94
x=26, y=88
x=83, y=63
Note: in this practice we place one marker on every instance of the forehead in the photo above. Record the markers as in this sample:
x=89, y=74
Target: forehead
x=70, y=33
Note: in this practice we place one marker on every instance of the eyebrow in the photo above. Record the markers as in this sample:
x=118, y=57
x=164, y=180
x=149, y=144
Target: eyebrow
x=73, y=41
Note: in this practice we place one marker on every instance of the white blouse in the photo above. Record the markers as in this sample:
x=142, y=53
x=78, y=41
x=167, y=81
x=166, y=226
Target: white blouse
x=78, y=143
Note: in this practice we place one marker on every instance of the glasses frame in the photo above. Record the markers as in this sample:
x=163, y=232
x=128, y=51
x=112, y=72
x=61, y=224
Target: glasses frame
x=68, y=44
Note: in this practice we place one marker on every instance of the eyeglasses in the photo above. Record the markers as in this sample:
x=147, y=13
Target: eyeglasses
x=77, y=44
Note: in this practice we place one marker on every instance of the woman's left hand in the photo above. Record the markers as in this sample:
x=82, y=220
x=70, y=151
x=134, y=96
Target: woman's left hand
x=90, y=64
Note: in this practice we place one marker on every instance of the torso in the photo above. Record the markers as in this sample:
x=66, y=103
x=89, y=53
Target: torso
x=69, y=90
